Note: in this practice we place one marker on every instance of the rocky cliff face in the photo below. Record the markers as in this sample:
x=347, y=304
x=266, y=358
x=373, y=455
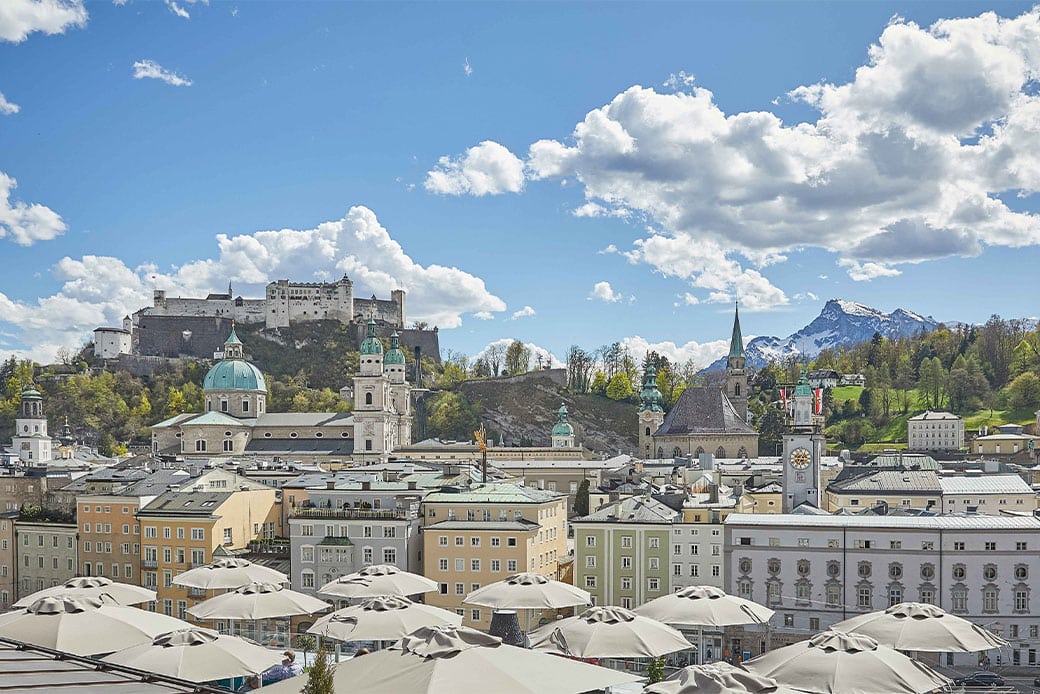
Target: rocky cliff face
x=526, y=409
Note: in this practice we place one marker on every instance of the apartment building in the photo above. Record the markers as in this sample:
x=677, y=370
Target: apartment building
x=46, y=554
x=621, y=551
x=220, y=512
x=935, y=431
x=8, y=560
x=816, y=570
x=485, y=534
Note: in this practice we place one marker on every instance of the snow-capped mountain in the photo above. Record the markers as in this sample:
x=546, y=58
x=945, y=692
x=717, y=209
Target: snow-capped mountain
x=839, y=323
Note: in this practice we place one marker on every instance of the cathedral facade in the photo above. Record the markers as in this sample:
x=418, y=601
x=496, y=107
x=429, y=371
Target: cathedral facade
x=236, y=422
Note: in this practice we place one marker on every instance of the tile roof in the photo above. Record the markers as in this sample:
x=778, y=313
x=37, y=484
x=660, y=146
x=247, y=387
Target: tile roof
x=185, y=504
x=633, y=509
x=703, y=410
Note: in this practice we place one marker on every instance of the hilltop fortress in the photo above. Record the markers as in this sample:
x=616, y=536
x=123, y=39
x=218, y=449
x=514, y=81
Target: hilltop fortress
x=196, y=327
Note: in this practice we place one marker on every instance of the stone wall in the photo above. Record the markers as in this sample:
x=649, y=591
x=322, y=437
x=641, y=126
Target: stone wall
x=164, y=336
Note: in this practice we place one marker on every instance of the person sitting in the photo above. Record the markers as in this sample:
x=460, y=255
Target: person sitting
x=285, y=670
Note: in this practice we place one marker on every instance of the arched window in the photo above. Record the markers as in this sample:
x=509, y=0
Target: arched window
x=648, y=431
x=676, y=452
x=736, y=389
x=660, y=452
x=720, y=452
x=698, y=451
x=368, y=398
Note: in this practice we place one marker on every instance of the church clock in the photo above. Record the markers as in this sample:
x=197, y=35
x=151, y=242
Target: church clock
x=800, y=458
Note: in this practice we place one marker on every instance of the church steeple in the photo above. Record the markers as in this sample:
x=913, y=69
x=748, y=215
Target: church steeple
x=736, y=357
x=650, y=397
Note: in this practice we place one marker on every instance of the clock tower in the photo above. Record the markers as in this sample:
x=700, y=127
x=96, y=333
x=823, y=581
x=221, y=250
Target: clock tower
x=803, y=448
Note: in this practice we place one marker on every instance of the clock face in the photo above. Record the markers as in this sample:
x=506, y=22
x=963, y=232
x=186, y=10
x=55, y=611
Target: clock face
x=800, y=458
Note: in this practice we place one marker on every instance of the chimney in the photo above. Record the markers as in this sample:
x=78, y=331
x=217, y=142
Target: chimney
x=366, y=486
x=412, y=485
x=330, y=484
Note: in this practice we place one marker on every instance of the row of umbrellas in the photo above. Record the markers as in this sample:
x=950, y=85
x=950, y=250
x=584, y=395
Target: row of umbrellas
x=814, y=665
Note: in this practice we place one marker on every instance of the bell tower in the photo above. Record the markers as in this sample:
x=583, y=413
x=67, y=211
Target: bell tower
x=736, y=373
x=651, y=413
x=31, y=442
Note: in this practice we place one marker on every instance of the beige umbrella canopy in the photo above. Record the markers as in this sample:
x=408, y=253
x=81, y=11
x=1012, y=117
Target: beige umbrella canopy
x=914, y=626
x=258, y=601
x=608, y=632
x=84, y=626
x=717, y=678
x=529, y=591
x=387, y=618
x=454, y=660
x=833, y=662
x=228, y=573
x=377, y=580
x=704, y=606
x=92, y=587
x=197, y=655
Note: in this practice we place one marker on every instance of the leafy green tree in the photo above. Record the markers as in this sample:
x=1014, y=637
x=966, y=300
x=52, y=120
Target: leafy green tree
x=619, y=387
x=581, y=499
x=655, y=670
x=1024, y=391
x=452, y=416
x=599, y=384
x=518, y=358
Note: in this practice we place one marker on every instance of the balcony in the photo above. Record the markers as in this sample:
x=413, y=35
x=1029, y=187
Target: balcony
x=196, y=592
x=150, y=563
x=353, y=514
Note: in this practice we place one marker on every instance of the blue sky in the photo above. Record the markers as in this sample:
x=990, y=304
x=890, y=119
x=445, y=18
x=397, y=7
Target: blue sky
x=761, y=152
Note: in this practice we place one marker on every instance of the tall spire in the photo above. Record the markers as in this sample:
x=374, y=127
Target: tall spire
x=736, y=342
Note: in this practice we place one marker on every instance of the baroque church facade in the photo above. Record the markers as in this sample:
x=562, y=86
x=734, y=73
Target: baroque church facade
x=705, y=419
x=236, y=422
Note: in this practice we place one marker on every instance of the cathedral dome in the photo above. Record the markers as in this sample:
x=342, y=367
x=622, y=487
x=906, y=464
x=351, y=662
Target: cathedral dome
x=234, y=374
x=563, y=427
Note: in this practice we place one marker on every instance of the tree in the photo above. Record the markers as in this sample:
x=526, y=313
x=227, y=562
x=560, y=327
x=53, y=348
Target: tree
x=1024, y=391
x=580, y=365
x=518, y=358
x=599, y=384
x=493, y=355
x=581, y=499
x=319, y=678
x=619, y=387
x=932, y=382
x=452, y=416
x=655, y=670
x=305, y=642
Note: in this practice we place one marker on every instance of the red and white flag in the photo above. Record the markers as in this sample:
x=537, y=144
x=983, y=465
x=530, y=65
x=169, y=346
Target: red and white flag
x=783, y=398
x=818, y=400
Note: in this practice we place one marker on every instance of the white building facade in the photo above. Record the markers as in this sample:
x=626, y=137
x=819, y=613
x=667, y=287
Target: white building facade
x=935, y=431
x=819, y=570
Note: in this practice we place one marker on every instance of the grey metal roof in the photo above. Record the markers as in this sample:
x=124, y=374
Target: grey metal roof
x=185, y=504
x=930, y=416
x=30, y=669
x=985, y=484
x=309, y=446
x=303, y=419
x=495, y=493
x=633, y=509
x=896, y=481
x=703, y=410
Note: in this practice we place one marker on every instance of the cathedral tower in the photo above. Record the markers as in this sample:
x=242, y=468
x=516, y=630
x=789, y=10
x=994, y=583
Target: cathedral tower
x=736, y=373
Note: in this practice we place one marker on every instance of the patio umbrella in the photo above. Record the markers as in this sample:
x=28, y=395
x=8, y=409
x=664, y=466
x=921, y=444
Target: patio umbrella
x=92, y=587
x=258, y=601
x=608, y=632
x=382, y=619
x=84, y=626
x=704, y=606
x=914, y=626
x=451, y=660
x=197, y=655
x=228, y=573
x=840, y=663
x=717, y=678
x=528, y=591
x=377, y=580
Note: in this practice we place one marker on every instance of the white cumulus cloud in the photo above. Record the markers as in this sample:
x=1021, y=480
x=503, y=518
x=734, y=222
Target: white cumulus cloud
x=99, y=290
x=19, y=18
x=487, y=169
x=548, y=358
x=604, y=292
x=8, y=108
x=525, y=312
x=484, y=315
x=26, y=223
x=906, y=162
x=149, y=69
x=702, y=353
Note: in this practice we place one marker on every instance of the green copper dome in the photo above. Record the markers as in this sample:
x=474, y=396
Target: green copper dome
x=233, y=337
x=563, y=427
x=650, y=397
x=803, y=385
x=371, y=345
x=394, y=355
x=31, y=392
x=234, y=374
